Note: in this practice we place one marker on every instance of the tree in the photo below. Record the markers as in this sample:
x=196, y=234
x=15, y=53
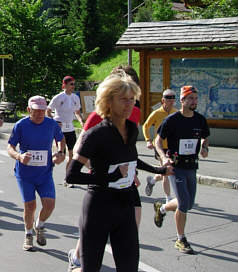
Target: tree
x=162, y=10
x=216, y=9
x=42, y=51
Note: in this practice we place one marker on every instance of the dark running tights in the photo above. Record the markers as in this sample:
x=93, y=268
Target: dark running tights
x=108, y=215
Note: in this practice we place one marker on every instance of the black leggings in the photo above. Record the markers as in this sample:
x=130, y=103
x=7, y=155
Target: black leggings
x=104, y=215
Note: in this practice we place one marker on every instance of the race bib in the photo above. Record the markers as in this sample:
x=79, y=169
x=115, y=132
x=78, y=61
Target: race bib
x=38, y=157
x=126, y=182
x=67, y=126
x=187, y=146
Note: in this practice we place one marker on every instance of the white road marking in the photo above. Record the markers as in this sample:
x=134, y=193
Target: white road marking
x=142, y=266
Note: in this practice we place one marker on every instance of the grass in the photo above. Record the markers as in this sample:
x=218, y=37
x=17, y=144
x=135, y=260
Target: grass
x=118, y=57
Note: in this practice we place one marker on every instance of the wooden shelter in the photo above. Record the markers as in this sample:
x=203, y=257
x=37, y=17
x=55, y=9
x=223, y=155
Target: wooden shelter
x=203, y=53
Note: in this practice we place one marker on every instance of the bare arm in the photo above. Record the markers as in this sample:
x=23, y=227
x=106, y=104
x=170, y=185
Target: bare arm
x=59, y=156
x=49, y=113
x=23, y=158
x=204, y=148
x=159, y=149
x=79, y=117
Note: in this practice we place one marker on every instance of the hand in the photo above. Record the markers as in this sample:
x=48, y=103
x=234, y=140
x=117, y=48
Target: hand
x=57, y=158
x=124, y=170
x=149, y=145
x=25, y=158
x=169, y=170
x=167, y=161
x=204, y=152
x=136, y=180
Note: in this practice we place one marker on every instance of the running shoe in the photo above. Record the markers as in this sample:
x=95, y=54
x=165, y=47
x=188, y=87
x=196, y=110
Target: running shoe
x=28, y=242
x=149, y=186
x=40, y=235
x=68, y=185
x=183, y=246
x=72, y=265
x=158, y=217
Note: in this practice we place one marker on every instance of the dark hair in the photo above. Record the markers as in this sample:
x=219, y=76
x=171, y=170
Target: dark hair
x=128, y=70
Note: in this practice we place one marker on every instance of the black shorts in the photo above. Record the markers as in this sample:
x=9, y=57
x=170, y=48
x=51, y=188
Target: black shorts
x=70, y=139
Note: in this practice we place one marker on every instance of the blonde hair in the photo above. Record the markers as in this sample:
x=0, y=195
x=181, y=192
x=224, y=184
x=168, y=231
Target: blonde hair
x=113, y=85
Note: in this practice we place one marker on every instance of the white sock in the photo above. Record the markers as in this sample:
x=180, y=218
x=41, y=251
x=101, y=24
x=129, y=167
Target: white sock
x=28, y=231
x=39, y=224
x=180, y=237
x=162, y=209
x=168, y=198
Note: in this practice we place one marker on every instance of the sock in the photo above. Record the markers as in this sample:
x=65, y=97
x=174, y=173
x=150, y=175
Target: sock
x=28, y=231
x=180, y=237
x=162, y=209
x=76, y=260
x=39, y=224
x=168, y=198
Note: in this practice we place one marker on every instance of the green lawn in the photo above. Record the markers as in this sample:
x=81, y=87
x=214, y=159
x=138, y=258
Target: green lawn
x=118, y=57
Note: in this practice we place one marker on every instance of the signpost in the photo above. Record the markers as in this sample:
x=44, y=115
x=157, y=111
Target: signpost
x=3, y=57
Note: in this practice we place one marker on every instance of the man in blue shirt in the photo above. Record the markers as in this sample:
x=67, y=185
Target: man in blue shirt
x=34, y=163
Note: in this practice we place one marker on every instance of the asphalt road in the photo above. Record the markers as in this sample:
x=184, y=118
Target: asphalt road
x=211, y=229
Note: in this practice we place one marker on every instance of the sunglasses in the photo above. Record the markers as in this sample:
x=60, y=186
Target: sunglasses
x=169, y=96
x=72, y=84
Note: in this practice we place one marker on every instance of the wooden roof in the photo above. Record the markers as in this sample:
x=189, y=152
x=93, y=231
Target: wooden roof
x=187, y=33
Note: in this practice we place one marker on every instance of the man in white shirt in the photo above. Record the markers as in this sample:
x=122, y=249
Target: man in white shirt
x=66, y=105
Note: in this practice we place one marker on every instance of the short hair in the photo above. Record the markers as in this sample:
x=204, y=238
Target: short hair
x=112, y=85
x=129, y=70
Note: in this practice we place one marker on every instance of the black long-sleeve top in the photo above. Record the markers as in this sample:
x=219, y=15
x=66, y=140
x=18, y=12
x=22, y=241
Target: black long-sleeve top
x=104, y=146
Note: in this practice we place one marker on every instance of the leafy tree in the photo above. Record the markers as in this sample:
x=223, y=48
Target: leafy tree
x=144, y=13
x=156, y=10
x=216, y=9
x=162, y=10
x=42, y=51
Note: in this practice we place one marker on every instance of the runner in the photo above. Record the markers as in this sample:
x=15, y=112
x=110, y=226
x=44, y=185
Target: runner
x=155, y=119
x=66, y=105
x=92, y=120
x=111, y=148
x=34, y=163
x=186, y=132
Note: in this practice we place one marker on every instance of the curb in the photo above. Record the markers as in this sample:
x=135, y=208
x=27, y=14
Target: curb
x=205, y=180
x=218, y=182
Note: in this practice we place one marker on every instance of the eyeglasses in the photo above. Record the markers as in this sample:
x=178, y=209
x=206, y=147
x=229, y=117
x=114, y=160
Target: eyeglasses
x=72, y=84
x=169, y=96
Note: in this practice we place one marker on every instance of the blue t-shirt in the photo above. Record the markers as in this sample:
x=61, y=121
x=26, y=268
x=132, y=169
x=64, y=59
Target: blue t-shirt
x=31, y=136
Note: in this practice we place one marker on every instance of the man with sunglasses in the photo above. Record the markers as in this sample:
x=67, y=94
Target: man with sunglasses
x=187, y=135
x=66, y=105
x=155, y=119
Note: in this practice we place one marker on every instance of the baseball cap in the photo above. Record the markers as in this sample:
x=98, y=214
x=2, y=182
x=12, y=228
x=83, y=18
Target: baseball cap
x=37, y=103
x=169, y=94
x=186, y=90
x=66, y=80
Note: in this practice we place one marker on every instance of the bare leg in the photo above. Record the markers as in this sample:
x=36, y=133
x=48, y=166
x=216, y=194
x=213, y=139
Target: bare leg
x=70, y=153
x=29, y=213
x=48, y=205
x=180, y=220
x=166, y=186
x=171, y=205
